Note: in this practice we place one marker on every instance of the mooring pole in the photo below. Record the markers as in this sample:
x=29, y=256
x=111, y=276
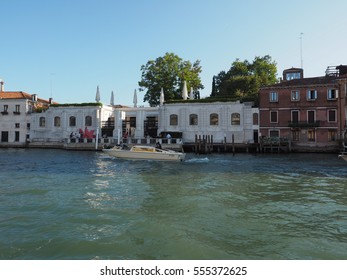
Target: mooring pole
x=233, y=143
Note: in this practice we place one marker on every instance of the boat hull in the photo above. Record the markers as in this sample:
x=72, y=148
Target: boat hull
x=343, y=156
x=162, y=156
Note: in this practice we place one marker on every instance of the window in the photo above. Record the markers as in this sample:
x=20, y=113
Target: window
x=72, y=121
x=193, y=119
x=311, y=95
x=255, y=119
x=173, y=119
x=16, y=136
x=332, y=135
x=295, y=95
x=273, y=96
x=295, y=135
x=311, y=116
x=311, y=135
x=42, y=122
x=57, y=121
x=5, y=111
x=274, y=133
x=132, y=121
x=332, y=94
x=213, y=119
x=331, y=115
x=295, y=116
x=17, y=110
x=17, y=125
x=4, y=136
x=88, y=121
x=235, y=119
x=273, y=116
x=292, y=76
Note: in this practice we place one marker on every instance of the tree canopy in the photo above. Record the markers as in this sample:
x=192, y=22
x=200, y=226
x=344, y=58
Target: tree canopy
x=244, y=79
x=169, y=72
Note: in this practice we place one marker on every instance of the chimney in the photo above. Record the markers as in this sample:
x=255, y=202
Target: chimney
x=2, y=86
x=34, y=97
x=51, y=100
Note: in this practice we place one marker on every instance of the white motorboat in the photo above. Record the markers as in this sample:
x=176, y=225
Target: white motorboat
x=343, y=156
x=144, y=153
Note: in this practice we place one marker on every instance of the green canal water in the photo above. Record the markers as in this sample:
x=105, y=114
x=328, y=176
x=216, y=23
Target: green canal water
x=57, y=204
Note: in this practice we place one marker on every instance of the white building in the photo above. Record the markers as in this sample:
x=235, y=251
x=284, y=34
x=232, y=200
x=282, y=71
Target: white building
x=136, y=123
x=16, y=108
x=63, y=123
x=26, y=119
x=221, y=120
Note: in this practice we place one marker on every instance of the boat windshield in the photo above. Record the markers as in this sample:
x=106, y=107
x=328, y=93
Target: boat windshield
x=142, y=149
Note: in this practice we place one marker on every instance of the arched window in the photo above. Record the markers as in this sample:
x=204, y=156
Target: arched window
x=88, y=121
x=42, y=122
x=255, y=119
x=57, y=121
x=213, y=119
x=72, y=121
x=235, y=119
x=193, y=119
x=173, y=119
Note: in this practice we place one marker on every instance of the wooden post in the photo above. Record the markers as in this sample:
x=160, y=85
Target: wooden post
x=205, y=143
x=209, y=143
x=233, y=143
x=199, y=147
x=225, y=144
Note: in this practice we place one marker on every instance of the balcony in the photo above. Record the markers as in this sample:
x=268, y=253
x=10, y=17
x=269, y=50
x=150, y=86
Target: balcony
x=4, y=113
x=304, y=124
x=16, y=113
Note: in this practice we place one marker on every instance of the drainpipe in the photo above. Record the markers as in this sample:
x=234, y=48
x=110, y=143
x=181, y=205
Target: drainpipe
x=341, y=110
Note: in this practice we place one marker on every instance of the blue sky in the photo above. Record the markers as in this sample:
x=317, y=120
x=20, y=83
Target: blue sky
x=66, y=48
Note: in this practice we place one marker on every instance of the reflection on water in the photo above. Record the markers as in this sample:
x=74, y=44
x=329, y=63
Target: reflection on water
x=84, y=205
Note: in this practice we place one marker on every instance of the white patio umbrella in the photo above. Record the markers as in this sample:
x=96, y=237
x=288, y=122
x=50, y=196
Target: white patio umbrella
x=97, y=96
x=191, y=95
x=135, y=99
x=185, y=91
x=112, y=98
x=161, y=99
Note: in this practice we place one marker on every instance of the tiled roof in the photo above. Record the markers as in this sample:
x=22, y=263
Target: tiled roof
x=19, y=95
x=15, y=95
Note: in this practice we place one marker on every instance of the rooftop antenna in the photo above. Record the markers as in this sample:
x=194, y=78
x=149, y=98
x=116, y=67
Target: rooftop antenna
x=301, y=61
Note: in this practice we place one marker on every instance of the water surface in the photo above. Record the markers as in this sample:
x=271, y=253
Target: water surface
x=57, y=204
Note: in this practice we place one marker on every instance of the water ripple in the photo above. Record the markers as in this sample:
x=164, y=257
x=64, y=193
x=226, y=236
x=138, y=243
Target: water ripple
x=84, y=205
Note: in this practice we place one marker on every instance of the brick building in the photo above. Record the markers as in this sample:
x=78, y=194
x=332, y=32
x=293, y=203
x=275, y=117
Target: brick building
x=309, y=112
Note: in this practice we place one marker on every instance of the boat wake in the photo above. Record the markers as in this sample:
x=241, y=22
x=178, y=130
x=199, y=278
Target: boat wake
x=197, y=160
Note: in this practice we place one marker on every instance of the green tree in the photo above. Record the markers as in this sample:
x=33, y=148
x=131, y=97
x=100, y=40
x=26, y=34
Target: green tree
x=244, y=79
x=169, y=72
